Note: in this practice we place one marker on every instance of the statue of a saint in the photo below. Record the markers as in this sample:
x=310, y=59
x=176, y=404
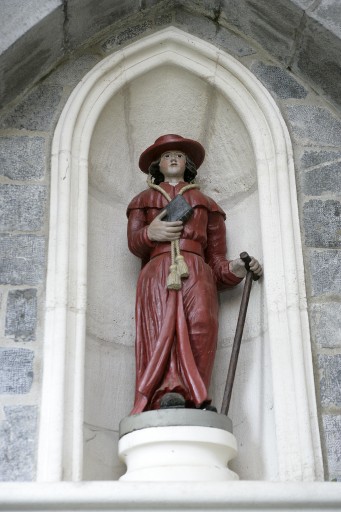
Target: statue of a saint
x=183, y=264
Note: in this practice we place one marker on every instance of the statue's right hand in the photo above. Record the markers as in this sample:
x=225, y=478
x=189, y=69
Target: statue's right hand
x=161, y=231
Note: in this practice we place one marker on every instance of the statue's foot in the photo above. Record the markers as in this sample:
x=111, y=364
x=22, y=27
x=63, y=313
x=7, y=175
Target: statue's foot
x=172, y=400
x=208, y=407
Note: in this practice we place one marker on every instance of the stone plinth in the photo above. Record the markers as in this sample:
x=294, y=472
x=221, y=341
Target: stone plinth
x=177, y=445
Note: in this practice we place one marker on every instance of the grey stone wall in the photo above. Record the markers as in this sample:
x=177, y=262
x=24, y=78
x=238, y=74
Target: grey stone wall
x=315, y=130
x=23, y=228
x=276, y=41
x=26, y=132
x=301, y=34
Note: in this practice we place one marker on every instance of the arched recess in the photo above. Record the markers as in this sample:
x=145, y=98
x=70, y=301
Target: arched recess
x=296, y=427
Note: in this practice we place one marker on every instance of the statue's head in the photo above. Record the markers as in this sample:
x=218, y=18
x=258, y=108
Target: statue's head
x=150, y=159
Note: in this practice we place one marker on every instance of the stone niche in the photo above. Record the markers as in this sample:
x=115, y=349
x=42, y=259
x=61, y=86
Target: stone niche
x=169, y=99
x=170, y=82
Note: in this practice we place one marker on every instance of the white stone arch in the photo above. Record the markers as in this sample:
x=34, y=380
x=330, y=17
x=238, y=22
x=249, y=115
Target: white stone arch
x=60, y=445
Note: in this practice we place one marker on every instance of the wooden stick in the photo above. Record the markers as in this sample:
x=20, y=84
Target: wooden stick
x=238, y=335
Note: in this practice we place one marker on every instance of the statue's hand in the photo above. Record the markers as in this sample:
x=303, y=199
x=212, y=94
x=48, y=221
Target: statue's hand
x=161, y=231
x=237, y=267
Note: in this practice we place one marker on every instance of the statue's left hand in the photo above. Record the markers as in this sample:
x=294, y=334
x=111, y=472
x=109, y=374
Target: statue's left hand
x=237, y=267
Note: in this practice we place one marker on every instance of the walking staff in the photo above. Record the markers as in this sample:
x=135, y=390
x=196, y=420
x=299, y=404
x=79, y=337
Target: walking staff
x=239, y=333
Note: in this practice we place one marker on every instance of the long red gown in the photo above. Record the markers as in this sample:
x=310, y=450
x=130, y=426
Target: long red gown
x=176, y=331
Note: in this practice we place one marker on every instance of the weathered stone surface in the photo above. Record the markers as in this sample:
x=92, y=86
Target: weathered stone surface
x=202, y=27
x=323, y=172
x=22, y=208
x=328, y=13
x=209, y=31
x=330, y=383
x=127, y=34
x=22, y=158
x=272, y=24
x=277, y=25
x=323, y=179
x=33, y=54
x=18, y=435
x=232, y=43
x=163, y=19
x=37, y=111
x=322, y=223
x=332, y=435
x=312, y=158
x=278, y=81
x=18, y=17
x=71, y=72
x=314, y=124
x=22, y=259
x=126, y=31
x=325, y=272
x=21, y=315
x=325, y=324
x=318, y=57
x=208, y=7
x=16, y=370
x=304, y=3
x=85, y=17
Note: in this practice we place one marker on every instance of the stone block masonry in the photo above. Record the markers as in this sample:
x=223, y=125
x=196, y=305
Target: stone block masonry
x=16, y=370
x=22, y=259
x=323, y=179
x=26, y=131
x=325, y=319
x=330, y=380
x=22, y=208
x=332, y=432
x=22, y=158
x=21, y=314
x=314, y=125
x=315, y=130
x=279, y=81
x=37, y=111
x=18, y=443
x=303, y=34
x=322, y=221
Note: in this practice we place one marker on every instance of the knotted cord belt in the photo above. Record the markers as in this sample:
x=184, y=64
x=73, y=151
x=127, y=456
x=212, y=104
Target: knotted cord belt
x=178, y=268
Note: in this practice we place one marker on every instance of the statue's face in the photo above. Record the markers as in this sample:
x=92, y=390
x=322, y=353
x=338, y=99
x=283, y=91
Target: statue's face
x=173, y=165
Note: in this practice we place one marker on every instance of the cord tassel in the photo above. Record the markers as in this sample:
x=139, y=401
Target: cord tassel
x=173, y=280
x=178, y=268
x=180, y=261
x=182, y=266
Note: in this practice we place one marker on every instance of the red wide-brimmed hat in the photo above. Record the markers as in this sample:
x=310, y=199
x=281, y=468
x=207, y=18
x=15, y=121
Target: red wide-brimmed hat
x=192, y=148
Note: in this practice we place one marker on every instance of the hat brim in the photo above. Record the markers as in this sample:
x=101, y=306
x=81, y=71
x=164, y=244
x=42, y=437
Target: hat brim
x=193, y=149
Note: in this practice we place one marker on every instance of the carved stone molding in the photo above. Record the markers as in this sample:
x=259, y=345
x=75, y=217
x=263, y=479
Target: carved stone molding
x=296, y=427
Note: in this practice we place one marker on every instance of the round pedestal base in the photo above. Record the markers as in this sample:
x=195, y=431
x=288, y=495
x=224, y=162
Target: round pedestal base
x=177, y=452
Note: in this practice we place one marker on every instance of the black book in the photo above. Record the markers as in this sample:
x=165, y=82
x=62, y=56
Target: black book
x=178, y=209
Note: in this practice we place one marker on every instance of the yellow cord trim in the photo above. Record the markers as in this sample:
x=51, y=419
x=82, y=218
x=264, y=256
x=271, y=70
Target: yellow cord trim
x=178, y=268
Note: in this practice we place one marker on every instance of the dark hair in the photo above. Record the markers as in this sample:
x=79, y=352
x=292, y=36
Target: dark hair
x=189, y=174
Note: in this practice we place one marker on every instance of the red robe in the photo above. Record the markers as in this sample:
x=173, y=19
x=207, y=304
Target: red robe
x=176, y=331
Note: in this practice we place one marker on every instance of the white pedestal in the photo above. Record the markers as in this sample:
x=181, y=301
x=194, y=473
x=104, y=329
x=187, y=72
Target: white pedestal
x=178, y=452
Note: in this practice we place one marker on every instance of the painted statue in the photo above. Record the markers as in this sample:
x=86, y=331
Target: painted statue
x=183, y=265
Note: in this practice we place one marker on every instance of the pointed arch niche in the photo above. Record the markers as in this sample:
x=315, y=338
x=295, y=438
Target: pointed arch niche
x=171, y=82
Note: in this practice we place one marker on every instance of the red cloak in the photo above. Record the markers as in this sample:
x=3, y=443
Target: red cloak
x=176, y=331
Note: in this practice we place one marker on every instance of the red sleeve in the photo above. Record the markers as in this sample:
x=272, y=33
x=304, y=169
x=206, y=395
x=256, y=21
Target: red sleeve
x=138, y=241
x=215, y=253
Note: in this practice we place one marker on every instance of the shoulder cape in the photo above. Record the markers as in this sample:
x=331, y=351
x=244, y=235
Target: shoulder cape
x=151, y=198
